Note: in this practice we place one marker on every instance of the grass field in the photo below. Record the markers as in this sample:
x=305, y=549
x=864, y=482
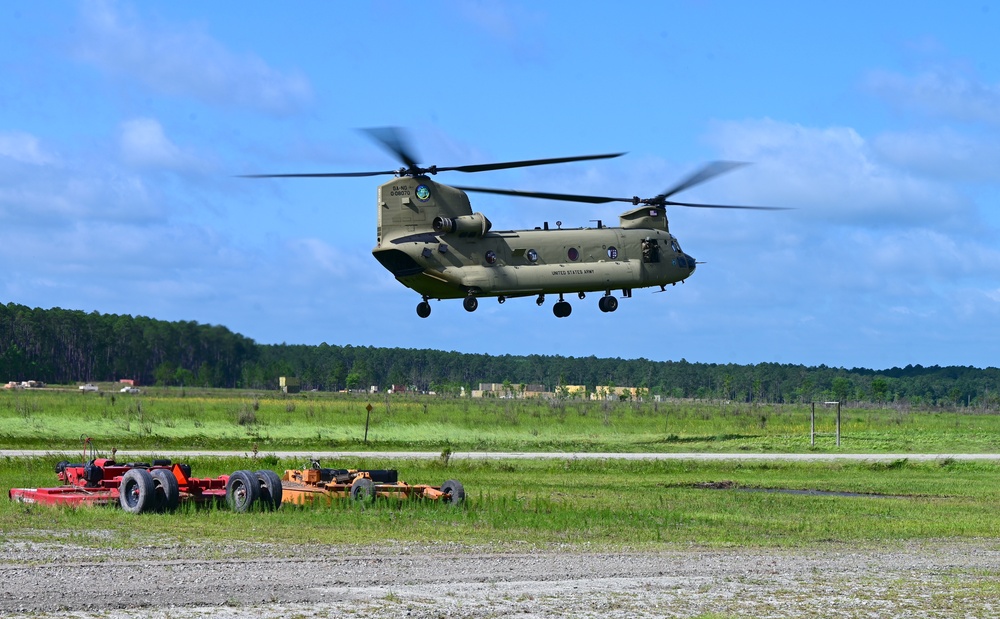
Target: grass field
x=591, y=503
x=583, y=503
x=237, y=420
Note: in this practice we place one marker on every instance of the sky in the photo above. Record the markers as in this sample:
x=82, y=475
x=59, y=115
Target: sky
x=124, y=127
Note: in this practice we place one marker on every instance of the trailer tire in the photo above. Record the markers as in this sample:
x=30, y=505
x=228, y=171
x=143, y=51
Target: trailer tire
x=167, y=494
x=270, y=489
x=363, y=490
x=455, y=490
x=136, y=492
x=242, y=491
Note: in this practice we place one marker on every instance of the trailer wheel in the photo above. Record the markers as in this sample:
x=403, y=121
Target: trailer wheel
x=242, y=491
x=270, y=489
x=166, y=492
x=455, y=490
x=136, y=491
x=363, y=490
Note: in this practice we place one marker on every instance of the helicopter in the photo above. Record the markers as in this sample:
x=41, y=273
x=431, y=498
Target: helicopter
x=430, y=239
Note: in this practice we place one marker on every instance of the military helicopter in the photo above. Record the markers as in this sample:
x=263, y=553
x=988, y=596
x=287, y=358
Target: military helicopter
x=430, y=239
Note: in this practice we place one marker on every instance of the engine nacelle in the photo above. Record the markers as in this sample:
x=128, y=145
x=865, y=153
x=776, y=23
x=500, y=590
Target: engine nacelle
x=463, y=225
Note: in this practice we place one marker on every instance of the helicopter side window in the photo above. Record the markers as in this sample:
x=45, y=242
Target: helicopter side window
x=674, y=246
x=650, y=251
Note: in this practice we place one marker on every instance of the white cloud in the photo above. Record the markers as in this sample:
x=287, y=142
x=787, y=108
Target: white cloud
x=832, y=174
x=25, y=148
x=58, y=196
x=950, y=92
x=186, y=61
x=943, y=153
x=144, y=144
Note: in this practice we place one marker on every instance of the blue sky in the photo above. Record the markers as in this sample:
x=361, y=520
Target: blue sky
x=123, y=127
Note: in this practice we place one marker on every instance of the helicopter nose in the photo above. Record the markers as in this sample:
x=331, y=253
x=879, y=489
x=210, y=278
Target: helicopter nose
x=691, y=262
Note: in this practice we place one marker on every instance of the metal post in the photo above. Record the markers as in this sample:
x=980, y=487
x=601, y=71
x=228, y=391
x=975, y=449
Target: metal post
x=812, y=426
x=367, y=419
x=838, y=424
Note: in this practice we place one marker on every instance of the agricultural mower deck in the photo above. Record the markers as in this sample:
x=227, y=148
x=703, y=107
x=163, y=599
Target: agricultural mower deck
x=306, y=485
x=160, y=486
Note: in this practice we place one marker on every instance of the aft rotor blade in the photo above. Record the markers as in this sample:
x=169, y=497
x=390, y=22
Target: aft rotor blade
x=707, y=172
x=394, y=140
x=566, y=197
x=523, y=164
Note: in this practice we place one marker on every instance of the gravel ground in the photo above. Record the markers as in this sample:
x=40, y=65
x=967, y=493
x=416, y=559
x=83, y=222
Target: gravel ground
x=927, y=579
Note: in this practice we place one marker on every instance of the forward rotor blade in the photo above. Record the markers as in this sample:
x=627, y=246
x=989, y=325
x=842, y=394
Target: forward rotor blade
x=750, y=208
x=568, y=197
x=320, y=175
x=707, y=172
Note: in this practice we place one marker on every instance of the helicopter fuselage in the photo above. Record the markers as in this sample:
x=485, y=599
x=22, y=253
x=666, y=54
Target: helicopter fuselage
x=432, y=242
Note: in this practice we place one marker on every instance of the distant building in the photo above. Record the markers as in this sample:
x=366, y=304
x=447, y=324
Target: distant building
x=606, y=392
x=289, y=384
x=519, y=390
x=572, y=391
x=24, y=384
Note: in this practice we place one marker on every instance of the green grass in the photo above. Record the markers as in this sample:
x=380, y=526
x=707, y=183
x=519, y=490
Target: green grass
x=581, y=503
x=590, y=504
x=238, y=420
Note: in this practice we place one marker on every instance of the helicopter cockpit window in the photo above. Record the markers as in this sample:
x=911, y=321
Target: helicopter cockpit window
x=650, y=251
x=674, y=246
x=573, y=254
x=491, y=257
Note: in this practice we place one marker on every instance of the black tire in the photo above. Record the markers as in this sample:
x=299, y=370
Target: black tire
x=270, y=489
x=166, y=493
x=423, y=309
x=455, y=490
x=136, y=493
x=242, y=491
x=470, y=304
x=602, y=304
x=363, y=490
x=612, y=304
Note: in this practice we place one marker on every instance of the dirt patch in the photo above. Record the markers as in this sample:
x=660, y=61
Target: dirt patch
x=929, y=579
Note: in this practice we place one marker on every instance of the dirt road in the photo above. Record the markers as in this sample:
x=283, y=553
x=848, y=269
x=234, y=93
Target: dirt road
x=929, y=579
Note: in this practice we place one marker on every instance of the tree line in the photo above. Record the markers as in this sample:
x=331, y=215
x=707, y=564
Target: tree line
x=64, y=346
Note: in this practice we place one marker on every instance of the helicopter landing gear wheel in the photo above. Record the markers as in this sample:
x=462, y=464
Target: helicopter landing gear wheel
x=501, y=299
x=540, y=300
x=423, y=309
x=470, y=303
x=562, y=309
x=608, y=303
x=582, y=295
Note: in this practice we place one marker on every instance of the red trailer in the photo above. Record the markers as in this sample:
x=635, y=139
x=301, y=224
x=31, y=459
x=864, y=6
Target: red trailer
x=158, y=487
